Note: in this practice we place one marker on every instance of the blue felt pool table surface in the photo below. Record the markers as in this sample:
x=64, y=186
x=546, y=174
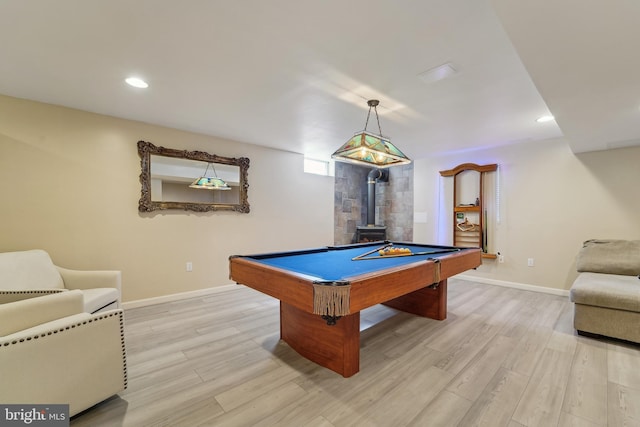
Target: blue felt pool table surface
x=336, y=263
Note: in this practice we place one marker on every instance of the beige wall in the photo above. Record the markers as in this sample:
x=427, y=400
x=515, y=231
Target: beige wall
x=551, y=201
x=69, y=184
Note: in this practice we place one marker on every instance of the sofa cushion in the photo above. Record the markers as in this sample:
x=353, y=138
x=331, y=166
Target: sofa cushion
x=45, y=328
x=20, y=315
x=28, y=270
x=7, y=295
x=607, y=290
x=610, y=257
x=97, y=298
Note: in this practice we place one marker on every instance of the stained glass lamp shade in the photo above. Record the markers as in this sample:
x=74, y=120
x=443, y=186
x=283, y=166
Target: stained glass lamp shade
x=210, y=182
x=368, y=149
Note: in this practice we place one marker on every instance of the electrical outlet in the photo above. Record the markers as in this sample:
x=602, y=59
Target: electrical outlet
x=500, y=258
x=530, y=262
x=189, y=266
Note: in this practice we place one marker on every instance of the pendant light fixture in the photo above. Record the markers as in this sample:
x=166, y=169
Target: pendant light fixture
x=210, y=183
x=368, y=149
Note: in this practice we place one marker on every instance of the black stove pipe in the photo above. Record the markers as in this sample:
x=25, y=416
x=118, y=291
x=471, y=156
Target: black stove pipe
x=381, y=175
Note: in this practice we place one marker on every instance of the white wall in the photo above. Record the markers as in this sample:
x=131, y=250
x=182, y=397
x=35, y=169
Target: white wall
x=551, y=201
x=69, y=183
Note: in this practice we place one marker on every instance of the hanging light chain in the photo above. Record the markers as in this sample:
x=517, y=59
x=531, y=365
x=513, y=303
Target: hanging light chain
x=373, y=103
x=367, y=122
x=375, y=108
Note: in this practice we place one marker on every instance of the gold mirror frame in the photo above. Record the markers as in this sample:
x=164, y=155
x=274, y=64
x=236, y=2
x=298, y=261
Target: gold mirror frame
x=146, y=149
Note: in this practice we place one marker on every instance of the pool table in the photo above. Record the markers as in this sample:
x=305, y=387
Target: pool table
x=323, y=290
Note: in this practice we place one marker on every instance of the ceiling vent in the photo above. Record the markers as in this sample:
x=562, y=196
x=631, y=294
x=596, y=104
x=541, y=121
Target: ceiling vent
x=438, y=73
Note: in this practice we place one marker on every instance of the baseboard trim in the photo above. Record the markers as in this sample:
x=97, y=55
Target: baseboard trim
x=208, y=291
x=515, y=285
x=176, y=297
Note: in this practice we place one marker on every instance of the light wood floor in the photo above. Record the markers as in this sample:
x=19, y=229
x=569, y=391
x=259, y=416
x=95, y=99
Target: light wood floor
x=503, y=357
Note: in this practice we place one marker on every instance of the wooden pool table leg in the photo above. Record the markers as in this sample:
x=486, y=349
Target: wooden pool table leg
x=425, y=302
x=336, y=347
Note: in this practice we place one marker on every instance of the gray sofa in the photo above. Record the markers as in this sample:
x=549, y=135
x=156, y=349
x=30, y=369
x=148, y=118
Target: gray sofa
x=606, y=293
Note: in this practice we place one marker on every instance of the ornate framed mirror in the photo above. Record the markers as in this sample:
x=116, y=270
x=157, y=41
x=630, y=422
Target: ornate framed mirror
x=171, y=180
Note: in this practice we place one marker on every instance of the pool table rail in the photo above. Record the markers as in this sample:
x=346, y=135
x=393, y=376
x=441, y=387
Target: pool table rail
x=294, y=288
x=367, y=289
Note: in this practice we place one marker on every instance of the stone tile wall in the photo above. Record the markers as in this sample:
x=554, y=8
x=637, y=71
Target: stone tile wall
x=394, y=202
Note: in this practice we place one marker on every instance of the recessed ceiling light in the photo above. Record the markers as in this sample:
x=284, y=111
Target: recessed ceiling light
x=136, y=82
x=545, y=119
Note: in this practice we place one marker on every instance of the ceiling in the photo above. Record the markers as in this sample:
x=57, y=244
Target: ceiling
x=296, y=74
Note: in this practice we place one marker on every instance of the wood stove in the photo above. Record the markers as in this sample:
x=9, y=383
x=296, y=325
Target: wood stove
x=370, y=233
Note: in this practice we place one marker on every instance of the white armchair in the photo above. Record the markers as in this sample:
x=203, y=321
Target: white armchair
x=26, y=274
x=52, y=352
